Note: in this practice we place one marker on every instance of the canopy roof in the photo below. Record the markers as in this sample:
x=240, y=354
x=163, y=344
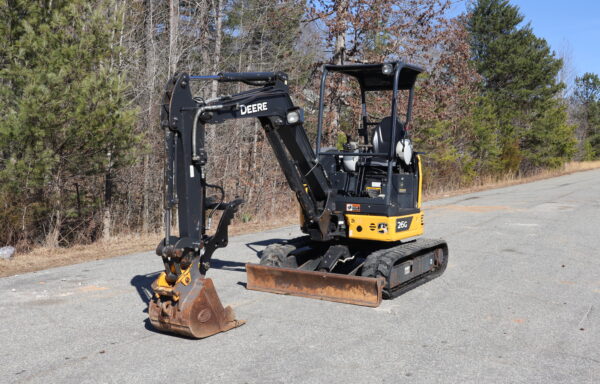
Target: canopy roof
x=371, y=77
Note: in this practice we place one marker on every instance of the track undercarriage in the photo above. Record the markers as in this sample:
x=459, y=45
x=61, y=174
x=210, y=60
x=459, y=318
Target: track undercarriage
x=349, y=272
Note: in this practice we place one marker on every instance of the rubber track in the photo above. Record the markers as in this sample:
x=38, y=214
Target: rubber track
x=281, y=250
x=381, y=262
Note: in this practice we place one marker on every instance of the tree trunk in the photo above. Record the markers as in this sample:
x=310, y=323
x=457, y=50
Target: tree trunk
x=341, y=9
x=53, y=236
x=204, y=43
x=150, y=49
x=173, y=33
x=108, y=187
x=218, y=37
x=108, y=180
x=106, y=220
x=218, y=8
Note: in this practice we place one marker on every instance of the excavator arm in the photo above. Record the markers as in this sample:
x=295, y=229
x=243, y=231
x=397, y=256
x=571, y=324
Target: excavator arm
x=282, y=122
x=182, y=292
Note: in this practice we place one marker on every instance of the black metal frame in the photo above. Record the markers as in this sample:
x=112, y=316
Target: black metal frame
x=398, y=67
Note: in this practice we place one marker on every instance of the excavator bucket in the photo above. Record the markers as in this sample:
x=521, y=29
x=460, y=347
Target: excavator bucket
x=347, y=289
x=192, y=310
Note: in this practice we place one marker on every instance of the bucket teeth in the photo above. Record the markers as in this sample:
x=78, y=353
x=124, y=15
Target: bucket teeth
x=197, y=313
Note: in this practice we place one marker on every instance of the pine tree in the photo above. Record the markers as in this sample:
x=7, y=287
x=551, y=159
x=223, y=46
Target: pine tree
x=519, y=74
x=67, y=123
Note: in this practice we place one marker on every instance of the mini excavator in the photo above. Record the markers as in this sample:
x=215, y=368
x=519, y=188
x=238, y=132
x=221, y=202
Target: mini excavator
x=360, y=204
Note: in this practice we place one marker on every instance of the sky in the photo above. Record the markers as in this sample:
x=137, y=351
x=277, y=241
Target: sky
x=571, y=26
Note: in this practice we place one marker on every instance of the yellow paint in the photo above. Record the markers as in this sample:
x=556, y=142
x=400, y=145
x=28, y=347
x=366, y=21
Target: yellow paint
x=420, y=191
x=161, y=281
x=300, y=209
x=369, y=227
x=184, y=279
x=301, y=215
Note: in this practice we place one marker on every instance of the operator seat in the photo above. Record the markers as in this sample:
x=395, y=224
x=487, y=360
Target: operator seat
x=381, y=139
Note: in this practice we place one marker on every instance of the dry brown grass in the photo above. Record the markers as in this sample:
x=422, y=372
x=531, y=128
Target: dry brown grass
x=485, y=183
x=44, y=257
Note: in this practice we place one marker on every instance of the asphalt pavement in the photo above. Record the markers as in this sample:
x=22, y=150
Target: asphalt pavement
x=519, y=303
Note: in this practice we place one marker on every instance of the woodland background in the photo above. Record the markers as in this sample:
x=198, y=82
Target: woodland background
x=81, y=150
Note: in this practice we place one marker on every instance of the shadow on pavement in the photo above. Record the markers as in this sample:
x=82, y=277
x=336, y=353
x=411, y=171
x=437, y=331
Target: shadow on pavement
x=227, y=265
x=149, y=327
x=142, y=283
x=263, y=243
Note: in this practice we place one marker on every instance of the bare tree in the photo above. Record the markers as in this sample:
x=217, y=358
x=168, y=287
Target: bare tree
x=218, y=9
x=568, y=72
x=151, y=111
x=173, y=35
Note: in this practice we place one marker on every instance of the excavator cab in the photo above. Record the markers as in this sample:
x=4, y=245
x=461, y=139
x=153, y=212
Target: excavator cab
x=360, y=204
x=378, y=172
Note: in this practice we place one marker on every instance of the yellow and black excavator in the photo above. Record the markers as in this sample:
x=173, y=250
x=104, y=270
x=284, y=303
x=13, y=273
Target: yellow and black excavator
x=360, y=205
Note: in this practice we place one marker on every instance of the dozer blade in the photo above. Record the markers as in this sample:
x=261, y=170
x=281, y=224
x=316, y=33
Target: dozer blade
x=317, y=285
x=192, y=310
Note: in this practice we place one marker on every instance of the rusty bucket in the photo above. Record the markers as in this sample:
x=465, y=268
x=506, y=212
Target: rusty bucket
x=193, y=310
x=358, y=290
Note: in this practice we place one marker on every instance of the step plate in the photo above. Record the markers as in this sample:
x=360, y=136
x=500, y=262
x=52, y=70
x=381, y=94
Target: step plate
x=357, y=290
